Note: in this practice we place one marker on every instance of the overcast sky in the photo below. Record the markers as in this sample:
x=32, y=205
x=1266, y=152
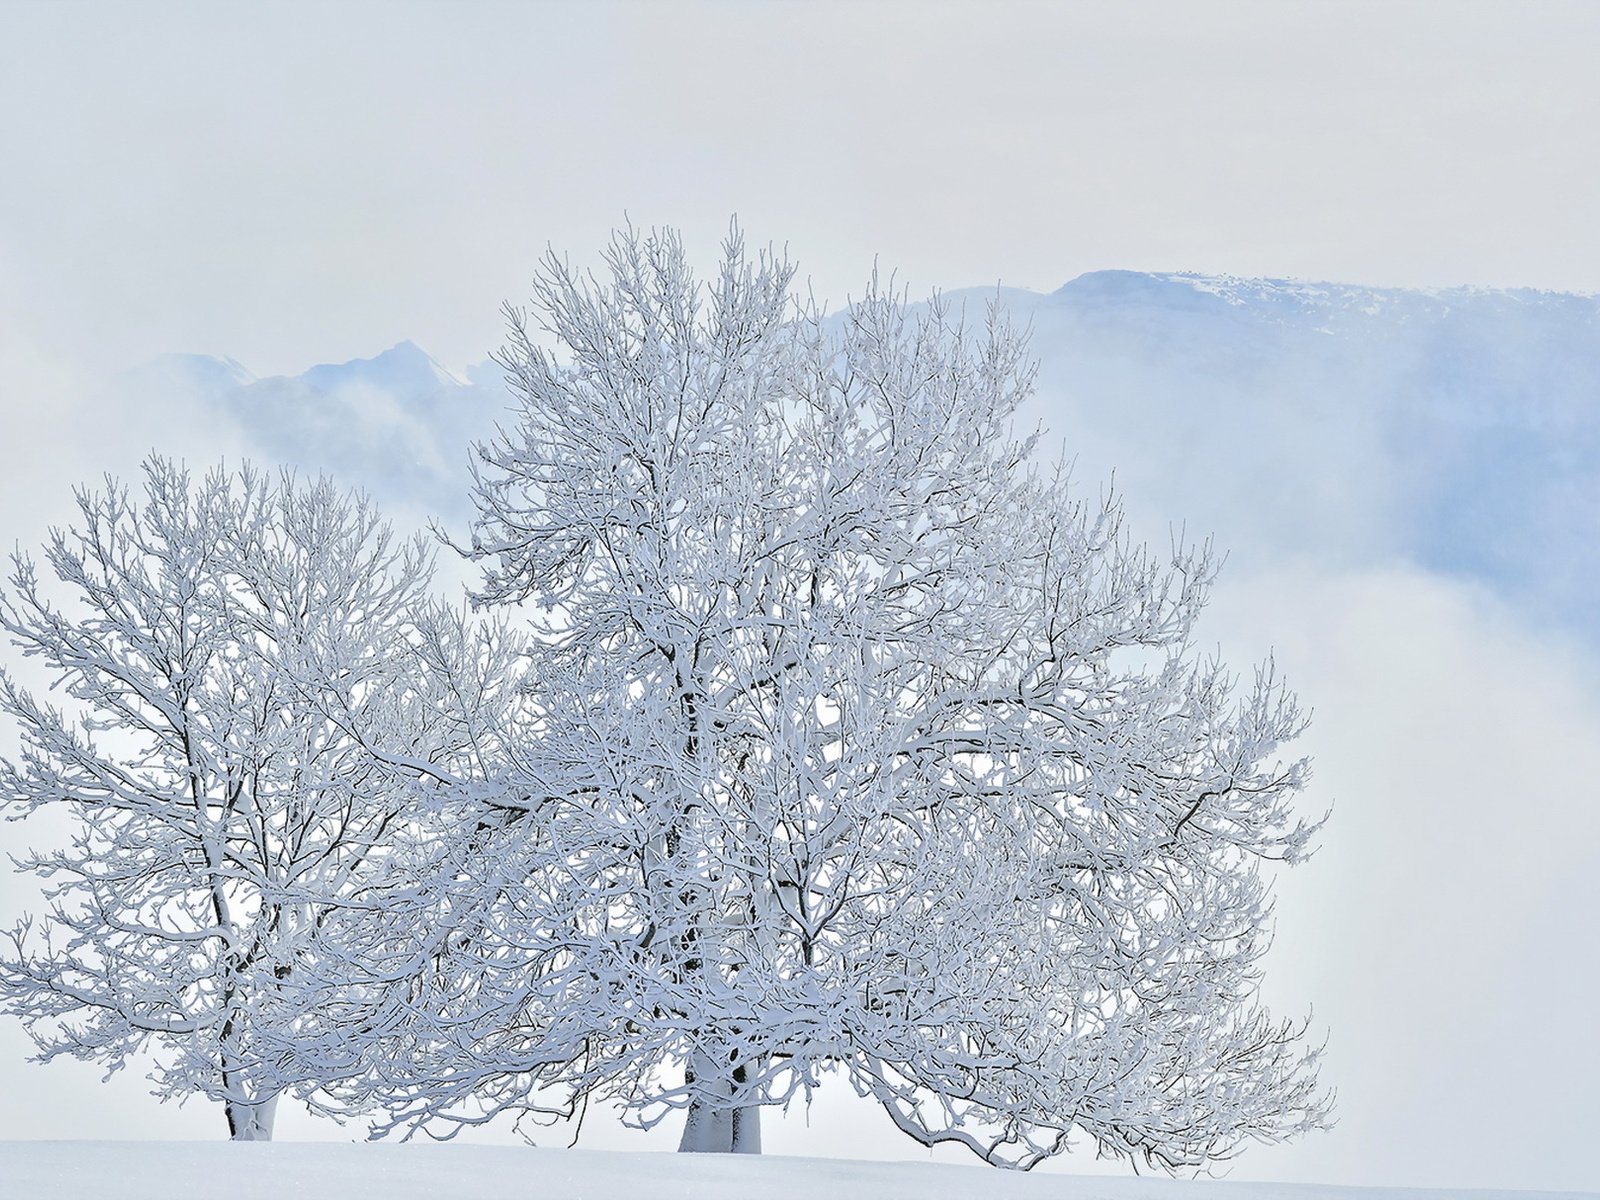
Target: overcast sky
x=314, y=183
x=297, y=185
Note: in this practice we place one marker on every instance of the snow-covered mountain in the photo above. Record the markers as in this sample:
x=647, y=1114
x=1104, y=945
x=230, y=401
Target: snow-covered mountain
x=404, y=370
x=201, y=373
x=1458, y=430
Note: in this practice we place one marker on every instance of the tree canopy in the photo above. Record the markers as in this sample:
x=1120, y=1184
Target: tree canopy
x=253, y=670
x=856, y=744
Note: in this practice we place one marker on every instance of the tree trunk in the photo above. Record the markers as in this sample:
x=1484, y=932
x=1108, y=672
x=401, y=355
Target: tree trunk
x=719, y=1128
x=747, y=1129
x=252, y=1122
x=711, y=1130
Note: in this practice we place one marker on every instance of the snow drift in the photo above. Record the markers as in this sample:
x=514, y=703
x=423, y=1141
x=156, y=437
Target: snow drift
x=287, y=1171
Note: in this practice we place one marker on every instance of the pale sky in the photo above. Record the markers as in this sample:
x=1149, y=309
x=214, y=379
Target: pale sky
x=294, y=184
x=311, y=183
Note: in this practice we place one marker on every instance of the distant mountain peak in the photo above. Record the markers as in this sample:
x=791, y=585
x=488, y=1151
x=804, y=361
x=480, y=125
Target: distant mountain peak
x=1117, y=289
x=205, y=373
x=407, y=353
x=404, y=369
x=1183, y=288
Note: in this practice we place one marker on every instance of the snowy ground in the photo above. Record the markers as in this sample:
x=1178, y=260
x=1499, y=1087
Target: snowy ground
x=310, y=1171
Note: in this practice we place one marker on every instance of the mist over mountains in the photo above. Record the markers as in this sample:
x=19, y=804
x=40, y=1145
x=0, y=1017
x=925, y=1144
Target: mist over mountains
x=398, y=425
x=1456, y=430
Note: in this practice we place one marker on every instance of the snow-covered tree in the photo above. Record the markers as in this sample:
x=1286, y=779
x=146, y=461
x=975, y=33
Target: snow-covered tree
x=254, y=677
x=859, y=747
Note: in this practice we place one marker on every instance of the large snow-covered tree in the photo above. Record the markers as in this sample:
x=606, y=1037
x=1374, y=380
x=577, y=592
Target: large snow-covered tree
x=254, y=678
x=859, y=746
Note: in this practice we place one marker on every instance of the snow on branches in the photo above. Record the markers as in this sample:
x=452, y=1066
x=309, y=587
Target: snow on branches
x=855, y=746
x=257, y=683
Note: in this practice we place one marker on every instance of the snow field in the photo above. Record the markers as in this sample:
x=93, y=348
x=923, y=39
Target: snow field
x=362, y=1171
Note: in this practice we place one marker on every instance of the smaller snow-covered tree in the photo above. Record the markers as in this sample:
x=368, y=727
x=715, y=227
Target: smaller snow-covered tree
x=253, y=676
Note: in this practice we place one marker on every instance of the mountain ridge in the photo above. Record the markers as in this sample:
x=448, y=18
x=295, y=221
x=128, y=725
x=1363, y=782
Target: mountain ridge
x=1456, y=428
